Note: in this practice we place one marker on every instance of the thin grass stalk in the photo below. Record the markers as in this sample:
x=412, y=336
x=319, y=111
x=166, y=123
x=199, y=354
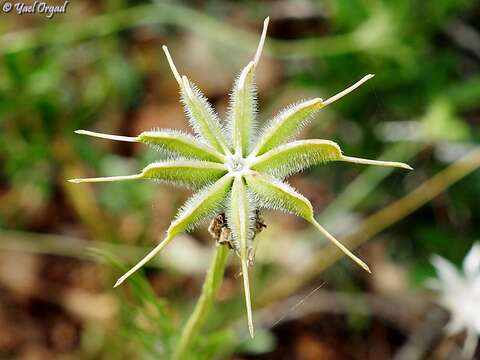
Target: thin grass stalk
x=210, y=287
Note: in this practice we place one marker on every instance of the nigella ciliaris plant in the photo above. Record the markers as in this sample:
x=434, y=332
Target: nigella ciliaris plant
x=235, y=169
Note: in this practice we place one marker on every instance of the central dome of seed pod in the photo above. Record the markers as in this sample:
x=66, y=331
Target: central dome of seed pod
x=237, y=165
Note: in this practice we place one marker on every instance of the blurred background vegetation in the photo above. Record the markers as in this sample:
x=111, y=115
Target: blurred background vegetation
x=100, y=67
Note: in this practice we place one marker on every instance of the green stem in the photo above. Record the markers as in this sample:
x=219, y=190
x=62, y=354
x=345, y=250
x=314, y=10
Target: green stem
x=210, y=287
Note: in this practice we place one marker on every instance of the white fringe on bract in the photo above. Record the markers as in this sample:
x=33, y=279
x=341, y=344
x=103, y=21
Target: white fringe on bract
x=296, y=156
x=174, y=133
x=198, y=199
x=231, y=113
x=191, y=205
x=277, y=120
x=251, y=66
x=176, y=169
x=251, y=222
x=277, y=204
x=241, y=219
x=273, y=124
x=207, y=106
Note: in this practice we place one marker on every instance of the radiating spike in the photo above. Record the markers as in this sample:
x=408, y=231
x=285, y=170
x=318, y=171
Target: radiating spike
x=290, y=158
x=348, y=90
x=256, y=59
x=106, y=136
x=202, y=117
x=172, y=65
x=243, y=104
x=176, y=143
x=146, y=259
x=107, y=179
x=246, y=287
x=202, y=205
x=356, y=160
x=243, y=76
x=286, y=125
x=340, y=245
x=277, y=195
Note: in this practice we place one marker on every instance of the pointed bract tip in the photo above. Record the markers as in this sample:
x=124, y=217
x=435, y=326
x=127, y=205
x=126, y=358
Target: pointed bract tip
x=75, y=181
x=355, y=160
x=108, y=178
x=402, y=165
x=314, y=101
x=243, y=76
x=339, y=244
x=251, y=330
x=367, y=269
x=118, y=283
x=173, y=68
x=349, y=89
x=106, y=136
x=261, y=43
x=246, y=288
x=363, y=265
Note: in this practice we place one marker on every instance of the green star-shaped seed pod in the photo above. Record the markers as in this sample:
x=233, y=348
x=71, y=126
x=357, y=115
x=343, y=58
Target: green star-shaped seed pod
x=234, y=169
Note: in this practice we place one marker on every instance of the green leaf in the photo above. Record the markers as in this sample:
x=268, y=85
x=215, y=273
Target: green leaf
x=242, y=110
x=277, y=195
x=286, y=125
x=201, y=205
x=296, y=156
x=197, y=208
x=240, y=216
x=274, y=194
x=172, y=142
x=200, y=113
x=190, y=173
x=293, y=157
x=241, y=221
x=178, y=143
x=202, y=116
x=243, y=105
